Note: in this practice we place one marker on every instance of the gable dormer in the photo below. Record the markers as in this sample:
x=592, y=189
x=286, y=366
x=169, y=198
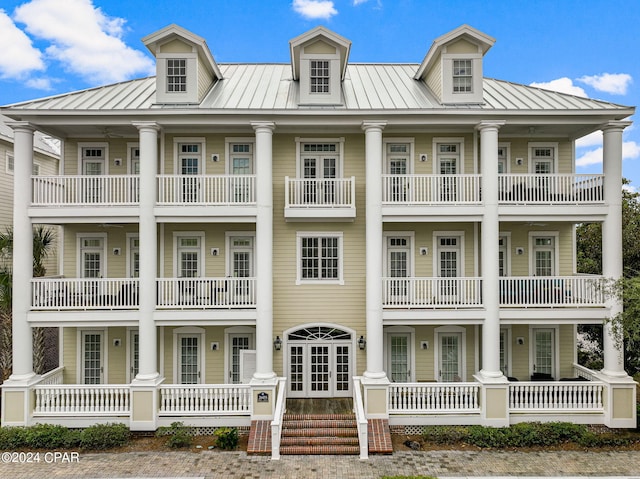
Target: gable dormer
x=452, y=67
x=319, y=63
x=185, y=68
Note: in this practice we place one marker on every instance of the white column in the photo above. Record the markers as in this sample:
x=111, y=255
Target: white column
x=22, y=251
x=373, y=249
x=612, y=238
x=148, y=370
x=264, y=250
x=489, y=252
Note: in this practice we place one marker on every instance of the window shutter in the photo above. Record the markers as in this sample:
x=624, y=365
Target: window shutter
x=247, y=365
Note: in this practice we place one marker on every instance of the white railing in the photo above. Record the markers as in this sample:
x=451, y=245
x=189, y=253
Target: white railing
x=53, y=377
x=205, y=293
x=320, y=193
x=81, y=399
x=278, y=414
x=79, y=190
x=206, y=190
x=584, y=373
x=551, y=189
x=434, y=398
x=555, y=396
x=430, y=189
x=552, y=291
x=361, y=420
x=432, y=292
x=196, y=399
x=84, y=293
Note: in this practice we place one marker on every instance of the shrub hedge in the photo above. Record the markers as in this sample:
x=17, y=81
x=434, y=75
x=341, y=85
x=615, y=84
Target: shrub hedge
x=48, y=436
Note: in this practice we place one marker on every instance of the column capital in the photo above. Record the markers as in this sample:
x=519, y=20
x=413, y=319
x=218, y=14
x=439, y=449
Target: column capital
x=616, y=125
x=147, y=125
x=263, y=125
x=490, y=125
x=374, y=125
x=21, y=126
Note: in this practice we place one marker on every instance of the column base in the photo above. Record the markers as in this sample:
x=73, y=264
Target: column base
x=263, y=397
x=376, y=395
x=144, y=402
x=619, y=401
x=18, y=399
x=494, y=400
x=492, y=377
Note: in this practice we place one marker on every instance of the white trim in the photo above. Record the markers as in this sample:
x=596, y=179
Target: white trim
x=556, y=250
x=397, y=330
x=507, y=146
x=228, y=235
x=447, y=140
x=509, y=346
x=185, y=234
x=463, y=349
x=93, y=144
x=507, y=236
x=161, y=350
x=129, y=344
x=189, y=331
x=233, y=331
x=9, y=154
x=105, y=353
x=319, y=234
x=129, y=237
x=386, y=141
x=131, y=145
x=385, y=247
x=340, y=152
x=556, y=347
x=191, y=64
x=178, y=140
x=448, y=95
x=103, y=259
x=436, y=248
x=231, y=140
x=542, y=144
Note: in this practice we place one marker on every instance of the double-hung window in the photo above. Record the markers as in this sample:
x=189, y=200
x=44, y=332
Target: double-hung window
x=320, y=257
x=176, y=75
x=462, y=76
x=319, y=76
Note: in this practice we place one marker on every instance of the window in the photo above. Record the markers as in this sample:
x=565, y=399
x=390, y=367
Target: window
x=319, y=76
x=188, y=257
x=462, y=76
x=91, y=256
x=176, y=75
x=188, y=355
x=10, y=165
x=320, y=257
x=35, y=169
x=543, y=254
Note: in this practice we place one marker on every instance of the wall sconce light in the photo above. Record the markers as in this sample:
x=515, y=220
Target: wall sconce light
x=215, y=157
x=424, y=344
x=519, y=250
x=362, y=343
x=520, y=340
x=277, y=343
x=116, y=251
x=423, y=157
x=424, y=251
x=215, y=251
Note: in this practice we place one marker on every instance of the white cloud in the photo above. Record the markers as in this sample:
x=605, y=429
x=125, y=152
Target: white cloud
x=359, y=2
x=562, y=85
x=311, y=9
x=630, y=188
x=40, y=84
x=614, y=83
x=19, y=57
x=630, y=151
x=592, y=139
x=84, y=39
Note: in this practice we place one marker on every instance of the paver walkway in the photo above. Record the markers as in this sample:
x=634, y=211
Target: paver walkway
x=229, y=465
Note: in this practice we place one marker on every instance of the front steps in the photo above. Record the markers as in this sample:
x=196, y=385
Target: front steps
x=334, y=434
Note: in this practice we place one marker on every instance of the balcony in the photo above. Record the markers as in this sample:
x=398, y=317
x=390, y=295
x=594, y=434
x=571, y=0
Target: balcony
x=320, y=199
x=431, y=189
x=560, y=189
x=552, y=292
x=432, y=293
x=206, y=293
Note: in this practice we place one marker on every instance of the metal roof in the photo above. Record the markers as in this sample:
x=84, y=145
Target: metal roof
x=270, y=87
x=42, y=143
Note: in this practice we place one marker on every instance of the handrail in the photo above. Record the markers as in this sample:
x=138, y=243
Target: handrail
x=434, y=398
x=210, y=190
x=278, y=415
x=585, y=373
x=55, y=376
x=320, y=192
x=197, y=399
x=82, y=399
x=553, y=396
x=361, y=419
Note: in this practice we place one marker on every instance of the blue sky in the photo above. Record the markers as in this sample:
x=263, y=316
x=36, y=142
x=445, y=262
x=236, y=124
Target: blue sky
x=584, y=47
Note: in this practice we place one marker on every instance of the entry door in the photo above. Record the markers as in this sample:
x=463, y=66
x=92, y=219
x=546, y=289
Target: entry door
x=448, y=167
x=135, y=170
x=134, y=353
x=544, y=347
x=319, y=369
x=450, y=358
x=397, y=167
x=316, y=169
x=543, y=169
x=241, y=165
x=399, y=358
x=190, y=168
x=504, y=352
x=241, y=268
x=449, y=267
x=189, y=359
x=92, y=357
x=398, y=250
x=93, y=166
x=239, y=342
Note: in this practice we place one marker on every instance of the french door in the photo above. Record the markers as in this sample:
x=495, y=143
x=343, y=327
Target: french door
x=92, y=357
x=397, y=167
x=450, y=357
x=239, y=342
x=319, y=369
x=189, y=359
x=398, y=269
x=241, y=164
x=93, y=166
x=448, y=157
x=399, y=354
x=315, y=170
x=189, y=168
x=449, y=256
x=544, y=351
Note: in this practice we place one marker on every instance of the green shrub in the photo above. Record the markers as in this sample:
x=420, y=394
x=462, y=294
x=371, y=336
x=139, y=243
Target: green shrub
x=105, y=436
x=47, y=436
x=489, y=437
x=227, y=437
x=12, y=437
x=606, y=439
x=445, y=434
x=178, y=435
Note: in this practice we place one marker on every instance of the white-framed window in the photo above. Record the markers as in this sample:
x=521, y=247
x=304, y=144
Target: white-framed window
x=176, y=75
x=504, y=155
x=319, y=76
x=92, y=251
x=544, y=351
x=504, y=254
x=448, y=154
x=450, y=359
x=319, y=257
x=399, y=352
x=543, y=158
x=133, y=353
x=188, y=355
x=35, y=169
x=133, y=158
x=10, y=165
x=462, y=76
x=92, y=356
x=505, y=350
x=133, y=255
x=92, y=158
x=188, y=257
x=544, y=257
x=240, y=254
x=319, y=158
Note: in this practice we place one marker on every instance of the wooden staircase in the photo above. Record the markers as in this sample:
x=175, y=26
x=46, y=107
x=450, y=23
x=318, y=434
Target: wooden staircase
x=331, y=434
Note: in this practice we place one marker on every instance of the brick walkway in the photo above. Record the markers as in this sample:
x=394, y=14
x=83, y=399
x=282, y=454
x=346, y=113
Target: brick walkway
x=212, y=464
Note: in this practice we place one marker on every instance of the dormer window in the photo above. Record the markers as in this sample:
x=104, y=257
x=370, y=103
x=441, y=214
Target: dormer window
x=462, y=76
x=319, y=76
x=176, y=75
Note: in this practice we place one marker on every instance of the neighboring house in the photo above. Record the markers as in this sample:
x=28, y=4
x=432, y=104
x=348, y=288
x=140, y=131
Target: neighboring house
x=410, y=225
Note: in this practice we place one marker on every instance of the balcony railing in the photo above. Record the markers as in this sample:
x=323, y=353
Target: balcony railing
x=84, y=293
x=78, y=190
x=205, y=293
x=551, y=189
x=320, y=193
x=198, y=399
x=81, y=399
x=430, y=189
x=552, y=291
x=556, y=396
x=206, y=190
x=434, y=398
x=432, y=292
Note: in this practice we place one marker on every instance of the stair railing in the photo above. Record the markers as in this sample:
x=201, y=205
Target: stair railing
x=361, y=420
x=276, y=424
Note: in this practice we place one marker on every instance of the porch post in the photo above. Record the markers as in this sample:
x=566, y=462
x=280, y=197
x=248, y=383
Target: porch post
x=144, y=391
x=374, y=380
x=16, y=392
x=263, y=383
x=620, y=394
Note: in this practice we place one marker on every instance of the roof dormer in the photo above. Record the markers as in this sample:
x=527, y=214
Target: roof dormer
x=185, y=68
x=319, y=62
x=453, y=66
